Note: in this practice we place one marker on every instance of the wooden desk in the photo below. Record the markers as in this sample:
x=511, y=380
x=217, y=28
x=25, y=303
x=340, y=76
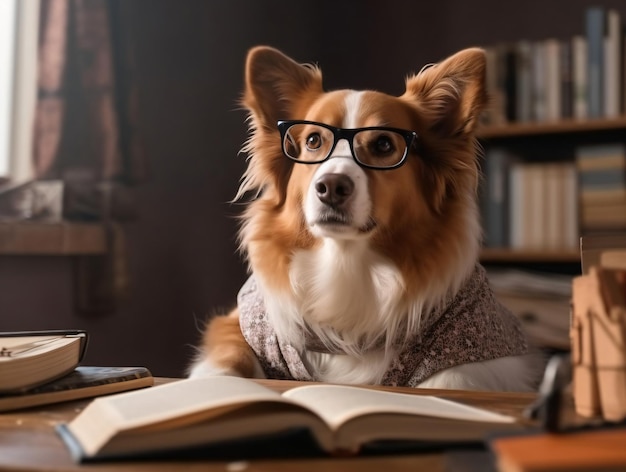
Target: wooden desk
x=28, y=441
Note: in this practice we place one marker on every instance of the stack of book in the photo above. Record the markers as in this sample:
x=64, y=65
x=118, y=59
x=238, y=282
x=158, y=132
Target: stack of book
x=39, y=368
x=541, y=301
x=580, y=77
x=602, y=177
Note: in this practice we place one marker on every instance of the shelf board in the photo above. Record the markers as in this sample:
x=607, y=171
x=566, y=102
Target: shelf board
x=542, y=256
x=556, y=127
x=51, y=238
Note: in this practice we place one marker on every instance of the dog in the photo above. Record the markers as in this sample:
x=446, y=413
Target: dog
x=362, y=236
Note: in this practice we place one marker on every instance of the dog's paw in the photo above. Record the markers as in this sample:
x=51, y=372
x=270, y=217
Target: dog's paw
x=205, y=368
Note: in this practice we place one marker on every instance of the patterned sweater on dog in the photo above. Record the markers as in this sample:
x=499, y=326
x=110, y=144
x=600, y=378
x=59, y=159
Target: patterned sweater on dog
x=472, y=327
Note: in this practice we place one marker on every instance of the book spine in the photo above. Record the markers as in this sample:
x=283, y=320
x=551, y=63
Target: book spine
x=595, y=30
x=552, y=79
x=612, y=64
x=517, y=206
x=572, y=206
x=510, y=83
x=539, y=82
x=602, y=179
x=524, y=81
x=496, y=217
x=566, y=79
x=579, y=76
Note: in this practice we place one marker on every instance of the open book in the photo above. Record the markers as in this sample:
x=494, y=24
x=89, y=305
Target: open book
x=30, y=358
x=194, y=413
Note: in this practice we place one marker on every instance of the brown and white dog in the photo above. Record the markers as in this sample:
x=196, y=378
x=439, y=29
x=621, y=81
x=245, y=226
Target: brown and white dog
x=364, y=235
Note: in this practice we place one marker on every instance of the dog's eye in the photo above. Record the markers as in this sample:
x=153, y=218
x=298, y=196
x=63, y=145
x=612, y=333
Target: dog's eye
x=313, y=142
x=382, y=145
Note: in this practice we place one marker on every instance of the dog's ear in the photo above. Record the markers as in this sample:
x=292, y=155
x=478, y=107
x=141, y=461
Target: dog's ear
x=275, y=84
x=451, y=94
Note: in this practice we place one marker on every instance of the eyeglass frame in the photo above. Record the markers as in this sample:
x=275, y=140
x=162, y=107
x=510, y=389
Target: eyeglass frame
x=348, y=134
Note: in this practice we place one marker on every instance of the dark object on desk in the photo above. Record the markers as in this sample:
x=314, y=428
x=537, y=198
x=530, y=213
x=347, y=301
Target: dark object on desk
x=547, y=408
x=32, y=358
x=83, y=382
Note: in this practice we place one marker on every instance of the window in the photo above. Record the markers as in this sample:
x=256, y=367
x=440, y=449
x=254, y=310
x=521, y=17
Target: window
x=19, y=22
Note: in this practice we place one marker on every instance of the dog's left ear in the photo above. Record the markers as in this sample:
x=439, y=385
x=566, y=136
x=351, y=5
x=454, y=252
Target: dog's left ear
x=451, y=94
x=275, y=84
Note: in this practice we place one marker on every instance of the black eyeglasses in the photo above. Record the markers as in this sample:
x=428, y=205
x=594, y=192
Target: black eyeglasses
x=378, y=147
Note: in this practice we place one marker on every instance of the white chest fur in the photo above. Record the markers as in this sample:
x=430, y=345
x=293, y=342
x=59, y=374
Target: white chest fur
x=348, y=296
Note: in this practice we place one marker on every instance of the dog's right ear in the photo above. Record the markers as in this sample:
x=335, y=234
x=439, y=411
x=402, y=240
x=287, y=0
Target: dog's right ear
x=275, y=84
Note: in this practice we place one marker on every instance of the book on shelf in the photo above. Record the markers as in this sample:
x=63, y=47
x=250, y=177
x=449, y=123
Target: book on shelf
x=602, y=179
x=523, y=77
x=495, y=196
x=82, y=382
x=595, y=20
x=543, y=206
x=579, y=76
x=541, y=301
x=210, y=413
x=32, y=358
x=612, y=64
x=551, y=79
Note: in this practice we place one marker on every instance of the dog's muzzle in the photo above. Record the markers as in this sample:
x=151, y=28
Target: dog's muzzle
x=338, y=200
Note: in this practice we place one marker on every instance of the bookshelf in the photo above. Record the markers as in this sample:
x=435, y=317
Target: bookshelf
x=537, y=142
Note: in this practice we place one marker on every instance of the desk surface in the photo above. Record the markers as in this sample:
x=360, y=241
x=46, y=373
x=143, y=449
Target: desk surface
x=28, y=441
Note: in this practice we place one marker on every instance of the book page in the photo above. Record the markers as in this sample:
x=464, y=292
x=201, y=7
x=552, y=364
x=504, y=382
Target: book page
x=338, y=404
x=173, y=407
x=183, y=401
x=20, y=347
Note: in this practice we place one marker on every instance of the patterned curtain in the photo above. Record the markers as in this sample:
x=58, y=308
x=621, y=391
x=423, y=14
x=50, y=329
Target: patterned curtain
x=86, y=114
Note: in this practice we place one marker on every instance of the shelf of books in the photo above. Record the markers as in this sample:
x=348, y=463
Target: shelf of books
x=554, y=142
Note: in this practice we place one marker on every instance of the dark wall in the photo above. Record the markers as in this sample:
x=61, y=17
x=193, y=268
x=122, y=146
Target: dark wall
x=182, y=252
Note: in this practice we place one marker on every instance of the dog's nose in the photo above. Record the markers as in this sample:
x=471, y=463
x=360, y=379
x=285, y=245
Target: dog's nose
x=334, y=189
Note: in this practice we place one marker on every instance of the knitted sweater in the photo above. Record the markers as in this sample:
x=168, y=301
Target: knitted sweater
x=472, y=327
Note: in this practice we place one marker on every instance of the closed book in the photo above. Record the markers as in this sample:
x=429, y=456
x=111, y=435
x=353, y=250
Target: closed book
x=29, y=358
x=601, y=167
x=497, y=161
x=539, y=87
x=571, y=218
x=602, y=197
x=595, y=29
x=83, y=382
x=603, y=179
x=604, y=216
x=612, y=64
x=517, y=206
x=579, y=76
x=510, y=82
x=566, y=79
x=545, y=319
x=554, y=237
x=552, y=70
x=523, y=65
